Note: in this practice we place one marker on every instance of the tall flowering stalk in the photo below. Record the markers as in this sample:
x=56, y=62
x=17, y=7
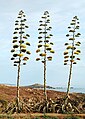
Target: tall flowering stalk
x=20, y=50
x=71, y=55
x=45, y=45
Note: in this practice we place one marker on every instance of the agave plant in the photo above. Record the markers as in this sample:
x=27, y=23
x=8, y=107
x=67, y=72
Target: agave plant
x=20, y=52
x=71, y=55
x=45, y=50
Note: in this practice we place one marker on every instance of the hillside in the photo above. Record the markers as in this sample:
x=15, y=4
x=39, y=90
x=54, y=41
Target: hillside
x=36, y=85
x=34, y=99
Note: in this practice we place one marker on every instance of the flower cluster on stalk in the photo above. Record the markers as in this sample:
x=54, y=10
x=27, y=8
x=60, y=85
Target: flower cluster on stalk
x=72, y=48
x=20, y=52
x=45, y=44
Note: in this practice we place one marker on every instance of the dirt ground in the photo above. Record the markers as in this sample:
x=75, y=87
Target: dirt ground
x=40, y=115
x=34, y=97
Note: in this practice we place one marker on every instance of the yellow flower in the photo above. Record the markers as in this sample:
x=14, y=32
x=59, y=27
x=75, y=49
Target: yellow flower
x=39, y=45
x=69, y=47
x=25, y=58
x=48, y=48
x=49, y=58
x=74, y=63
x=71, y=60
x=66, y=52
x=12, y=50
x=15, y=46
x=25, y=37
x=23, y=46
x=52, y=51
x=66, y=57
x=71, y=38
x=46, y=45
x=14, y=41
x=43, y=54
x=76, y=53
x=20, y=55
x=27, y=43
x=65, y=60
x=28, y=52
x=65, y=63
x=38, y=50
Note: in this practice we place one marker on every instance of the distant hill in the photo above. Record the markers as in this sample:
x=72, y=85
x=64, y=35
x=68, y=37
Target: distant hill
x=36, y=85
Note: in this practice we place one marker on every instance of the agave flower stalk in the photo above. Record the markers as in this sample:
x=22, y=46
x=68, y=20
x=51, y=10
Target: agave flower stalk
x=72, y=51
x=20, y=50
x=45, y=45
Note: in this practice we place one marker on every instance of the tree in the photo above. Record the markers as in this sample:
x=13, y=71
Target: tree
x=44, y=44
x=20, y=50
x=72, y=51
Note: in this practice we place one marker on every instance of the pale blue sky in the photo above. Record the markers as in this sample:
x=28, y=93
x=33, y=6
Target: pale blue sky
x=61, y=14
